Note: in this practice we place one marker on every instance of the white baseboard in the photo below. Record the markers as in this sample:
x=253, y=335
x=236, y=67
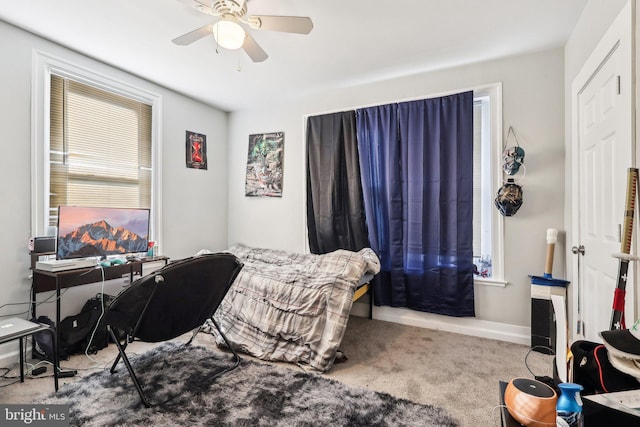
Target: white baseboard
x=458, y=325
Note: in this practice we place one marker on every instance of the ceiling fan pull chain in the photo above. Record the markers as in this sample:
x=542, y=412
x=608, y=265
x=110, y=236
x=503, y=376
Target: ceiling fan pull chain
x=216, y=40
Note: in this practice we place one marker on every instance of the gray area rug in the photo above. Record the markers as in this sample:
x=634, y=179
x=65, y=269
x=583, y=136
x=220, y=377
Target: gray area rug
x=254, y=394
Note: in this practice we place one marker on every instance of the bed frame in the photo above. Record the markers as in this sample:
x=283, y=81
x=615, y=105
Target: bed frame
x=363, y=287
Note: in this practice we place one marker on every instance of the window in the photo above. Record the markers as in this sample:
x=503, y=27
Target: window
x=487, y=222
x=95, y=143
x=99, y=148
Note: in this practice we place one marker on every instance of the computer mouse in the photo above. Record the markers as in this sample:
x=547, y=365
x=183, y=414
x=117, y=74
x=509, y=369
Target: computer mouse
x=105, y=263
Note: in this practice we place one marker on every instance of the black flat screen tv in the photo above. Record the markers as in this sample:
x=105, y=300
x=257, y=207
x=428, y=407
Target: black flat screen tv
x=100, y=232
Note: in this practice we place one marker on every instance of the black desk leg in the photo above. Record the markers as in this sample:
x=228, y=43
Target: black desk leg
x=56, y=360
x=56, y=340
x=21, y=360
x=33, y=301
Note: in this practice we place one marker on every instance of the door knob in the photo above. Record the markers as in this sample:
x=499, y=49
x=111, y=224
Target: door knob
x=578, y=250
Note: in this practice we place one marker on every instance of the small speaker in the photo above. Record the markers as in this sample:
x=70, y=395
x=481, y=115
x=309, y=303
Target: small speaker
x=532, y=403
x=44, y=244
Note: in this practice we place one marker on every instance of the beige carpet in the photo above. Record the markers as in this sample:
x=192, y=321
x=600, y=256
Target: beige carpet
x=456, y=372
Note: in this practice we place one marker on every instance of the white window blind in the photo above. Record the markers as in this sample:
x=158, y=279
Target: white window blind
x=100, y=148
x=477, y=179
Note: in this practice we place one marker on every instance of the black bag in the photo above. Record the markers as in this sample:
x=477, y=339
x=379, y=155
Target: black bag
x=43, y=342
x=82, y=333
x=593, y=370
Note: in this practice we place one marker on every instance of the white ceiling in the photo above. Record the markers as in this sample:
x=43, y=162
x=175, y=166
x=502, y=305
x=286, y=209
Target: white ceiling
x=352, y=42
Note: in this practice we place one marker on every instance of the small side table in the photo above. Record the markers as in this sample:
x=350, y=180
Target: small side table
x=21, y=336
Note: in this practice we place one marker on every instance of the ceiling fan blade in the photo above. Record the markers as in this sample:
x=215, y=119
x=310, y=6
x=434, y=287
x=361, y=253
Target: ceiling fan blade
x=203, y=6
x=204, y=3
x=194, y=35
x=253, y=49
x=287, y=24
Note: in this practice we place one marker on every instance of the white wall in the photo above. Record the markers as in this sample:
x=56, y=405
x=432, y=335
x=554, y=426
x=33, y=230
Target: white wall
x=532, y=103
x=596, y=18
x=194, y=202
x=194, y=210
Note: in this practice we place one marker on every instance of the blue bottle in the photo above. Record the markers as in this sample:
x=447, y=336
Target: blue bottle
x=569, y=406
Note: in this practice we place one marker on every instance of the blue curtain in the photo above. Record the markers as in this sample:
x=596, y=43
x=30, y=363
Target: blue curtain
x=416, y=162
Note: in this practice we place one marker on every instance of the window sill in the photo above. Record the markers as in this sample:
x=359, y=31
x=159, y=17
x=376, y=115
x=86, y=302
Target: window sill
x=490, y=282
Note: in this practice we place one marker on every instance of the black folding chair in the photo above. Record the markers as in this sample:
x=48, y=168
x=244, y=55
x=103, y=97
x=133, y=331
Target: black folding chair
x=174, y=300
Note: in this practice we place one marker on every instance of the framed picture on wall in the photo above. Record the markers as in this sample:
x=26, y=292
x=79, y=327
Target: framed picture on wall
x=196, y=148
x=265, y=165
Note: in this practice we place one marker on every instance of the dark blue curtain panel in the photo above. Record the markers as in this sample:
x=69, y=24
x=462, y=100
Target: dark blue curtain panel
x=416, y=162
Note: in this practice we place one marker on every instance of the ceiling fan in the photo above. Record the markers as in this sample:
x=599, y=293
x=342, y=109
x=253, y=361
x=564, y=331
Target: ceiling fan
x=227, y=28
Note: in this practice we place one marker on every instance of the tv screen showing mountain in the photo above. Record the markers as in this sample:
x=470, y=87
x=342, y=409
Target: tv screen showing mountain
x=100, y=232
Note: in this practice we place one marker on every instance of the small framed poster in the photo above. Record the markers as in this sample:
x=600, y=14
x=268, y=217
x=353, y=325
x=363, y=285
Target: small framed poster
x=265, y=165
x=196, y=148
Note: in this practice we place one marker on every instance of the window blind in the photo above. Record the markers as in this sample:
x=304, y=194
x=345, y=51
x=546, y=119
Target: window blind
x=100, y=148
x=477, y=179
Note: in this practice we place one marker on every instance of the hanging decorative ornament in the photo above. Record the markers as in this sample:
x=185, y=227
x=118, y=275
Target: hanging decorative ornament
x=509, y=198
x=513, y=160
x=513, y=156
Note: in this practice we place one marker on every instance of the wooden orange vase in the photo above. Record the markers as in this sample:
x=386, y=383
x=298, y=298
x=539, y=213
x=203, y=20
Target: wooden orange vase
x=531, y=402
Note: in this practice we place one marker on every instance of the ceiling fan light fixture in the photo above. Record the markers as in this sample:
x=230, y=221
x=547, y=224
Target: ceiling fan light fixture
x=228, y=34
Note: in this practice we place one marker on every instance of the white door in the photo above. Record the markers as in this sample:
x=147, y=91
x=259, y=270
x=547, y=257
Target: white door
x=604, y=153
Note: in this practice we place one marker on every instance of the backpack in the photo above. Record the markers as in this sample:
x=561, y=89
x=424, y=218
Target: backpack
x=42, y=348
x=86, y=331
x=593, y=370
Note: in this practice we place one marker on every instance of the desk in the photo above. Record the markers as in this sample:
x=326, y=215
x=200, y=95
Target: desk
x=22, y=336
x=44, y=281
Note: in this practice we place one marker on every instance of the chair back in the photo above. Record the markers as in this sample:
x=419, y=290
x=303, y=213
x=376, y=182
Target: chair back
x=175, y=299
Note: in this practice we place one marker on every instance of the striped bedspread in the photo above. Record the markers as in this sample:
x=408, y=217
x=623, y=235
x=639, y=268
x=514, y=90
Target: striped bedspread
x=292, y=307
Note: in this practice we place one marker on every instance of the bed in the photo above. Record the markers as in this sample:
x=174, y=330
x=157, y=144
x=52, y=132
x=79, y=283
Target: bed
x=293, y=307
